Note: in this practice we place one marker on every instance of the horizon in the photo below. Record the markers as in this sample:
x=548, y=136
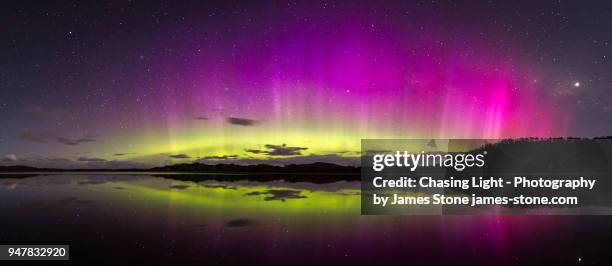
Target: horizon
x=281, y=162
x=177, y=164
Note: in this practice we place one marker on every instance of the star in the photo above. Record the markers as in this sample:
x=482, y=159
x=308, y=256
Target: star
x=576, y=84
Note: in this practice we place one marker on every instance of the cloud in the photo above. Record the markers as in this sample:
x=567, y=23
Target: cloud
x=201, y=118
x=10, y=158
x=278, y=194
x=221, y=186
x=43, y=136
x=305, y=159
x=74, y=142
x=372, y=152
x=88, y=159
x=179, y=187
x=58, y=160
x=224, y=157
x=123, y=153
x=45, y=111
x=278, y=150
x=241, y=121
x=283, y=150
x=179, y=156
x=432, y=143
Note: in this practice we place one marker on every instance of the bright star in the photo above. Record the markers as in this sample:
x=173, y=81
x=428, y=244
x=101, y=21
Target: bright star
x=577, y=84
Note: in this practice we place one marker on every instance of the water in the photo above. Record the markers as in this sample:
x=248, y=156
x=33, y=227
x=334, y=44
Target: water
x=146, y=219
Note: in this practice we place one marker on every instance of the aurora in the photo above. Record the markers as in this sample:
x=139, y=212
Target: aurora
x=231, y=132
x=281, y=85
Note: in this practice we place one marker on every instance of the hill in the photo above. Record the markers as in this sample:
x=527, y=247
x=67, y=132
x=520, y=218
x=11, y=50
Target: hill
x=320, y=168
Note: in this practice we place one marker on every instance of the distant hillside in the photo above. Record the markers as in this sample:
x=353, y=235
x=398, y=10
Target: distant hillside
x=323, y=168
x=23, y=168
x=549, y=155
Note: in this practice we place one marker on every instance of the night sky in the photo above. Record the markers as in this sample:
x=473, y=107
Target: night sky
x=141, y=83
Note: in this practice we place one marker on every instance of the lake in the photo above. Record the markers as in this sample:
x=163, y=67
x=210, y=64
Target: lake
x=148, y=219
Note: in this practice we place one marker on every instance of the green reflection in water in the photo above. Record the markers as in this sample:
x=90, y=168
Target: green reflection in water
x=186, y=199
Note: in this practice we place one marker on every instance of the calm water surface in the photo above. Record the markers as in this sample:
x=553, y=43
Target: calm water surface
x=144, y=219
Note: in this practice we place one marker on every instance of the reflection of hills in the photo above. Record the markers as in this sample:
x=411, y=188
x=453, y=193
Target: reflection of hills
x=317, y=178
